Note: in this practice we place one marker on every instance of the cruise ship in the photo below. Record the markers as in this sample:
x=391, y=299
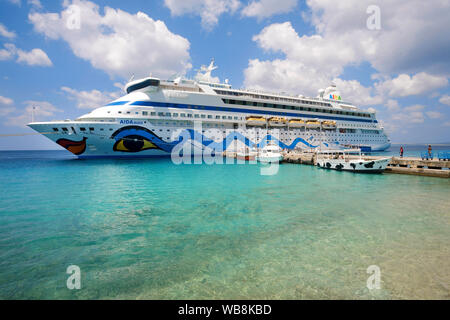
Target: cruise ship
x=161, y=117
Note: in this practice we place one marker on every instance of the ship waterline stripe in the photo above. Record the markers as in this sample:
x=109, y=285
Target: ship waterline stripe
x=226, y=109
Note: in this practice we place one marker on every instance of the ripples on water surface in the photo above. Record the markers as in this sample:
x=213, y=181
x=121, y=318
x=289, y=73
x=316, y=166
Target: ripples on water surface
x=150, y=229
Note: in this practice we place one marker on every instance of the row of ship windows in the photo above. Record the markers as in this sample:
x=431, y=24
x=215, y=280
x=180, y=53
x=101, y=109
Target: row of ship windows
x=184, y=115
x=200, y=116
x=345, y=131
x=82, y=129
x=288, y=107
x=258, y=96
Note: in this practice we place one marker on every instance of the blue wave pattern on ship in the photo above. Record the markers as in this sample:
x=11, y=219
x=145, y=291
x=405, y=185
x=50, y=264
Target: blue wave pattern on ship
x=190, y=134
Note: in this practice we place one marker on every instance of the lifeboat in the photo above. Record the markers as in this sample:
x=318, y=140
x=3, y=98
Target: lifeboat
x=256, y=121
x=313, y=124
x=296, y=123
x=329, y=124
x=277, y=122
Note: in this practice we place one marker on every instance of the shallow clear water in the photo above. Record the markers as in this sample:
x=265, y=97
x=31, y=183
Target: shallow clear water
x=150, y=229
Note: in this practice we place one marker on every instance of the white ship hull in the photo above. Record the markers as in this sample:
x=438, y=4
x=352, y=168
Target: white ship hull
x=101, y=141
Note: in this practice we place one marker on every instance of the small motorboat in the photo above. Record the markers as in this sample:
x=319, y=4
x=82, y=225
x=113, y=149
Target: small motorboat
x=270, y=154
x=246, y=155
x=340, y=160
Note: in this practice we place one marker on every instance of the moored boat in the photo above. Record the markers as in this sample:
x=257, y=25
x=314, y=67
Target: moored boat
x=340, y=160
x=246, y=155
x=270, y=154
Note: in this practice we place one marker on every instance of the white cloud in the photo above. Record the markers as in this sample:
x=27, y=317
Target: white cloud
x=16, y=2
x=355, y=92
x=6, y=33
x=310, y=63
x=4, y=110
x=416, y=107
x=407, y=41
x=405, y=85
x=409, y=53
x=208, y=10
x=282, y=75
x=392, y=105
x=445, y=99
x=90, y=99
x=35, y=4
x=6, y=106
x=403, y=120
x=35, y=57
x=315, y=51
x=434, y=114
x=6, y=101
x=117, y=42
x=266, y=8
x=43, y=110
x=7, y=53
x=408, y=116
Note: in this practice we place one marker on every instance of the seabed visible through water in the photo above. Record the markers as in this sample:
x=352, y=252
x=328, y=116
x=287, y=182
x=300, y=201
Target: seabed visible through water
x=149, y=229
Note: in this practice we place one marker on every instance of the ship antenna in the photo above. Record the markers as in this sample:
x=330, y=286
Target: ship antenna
x=132, y=78
x=32, y=113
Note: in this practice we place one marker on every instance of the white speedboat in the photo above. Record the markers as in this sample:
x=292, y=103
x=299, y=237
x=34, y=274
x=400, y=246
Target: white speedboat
x=246, y=154
x=340, y=160
x=270, y=154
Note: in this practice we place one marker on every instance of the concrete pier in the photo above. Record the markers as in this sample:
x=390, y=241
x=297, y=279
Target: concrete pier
x=405, y=165
x=417, y=166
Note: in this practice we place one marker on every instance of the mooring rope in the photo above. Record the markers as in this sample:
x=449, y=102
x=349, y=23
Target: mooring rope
x=24, y=134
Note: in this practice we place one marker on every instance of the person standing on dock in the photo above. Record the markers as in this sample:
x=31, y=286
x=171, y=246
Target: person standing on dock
x=429, y=152
x=401, y=151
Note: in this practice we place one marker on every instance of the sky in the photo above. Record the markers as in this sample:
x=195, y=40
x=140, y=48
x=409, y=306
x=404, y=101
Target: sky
x=65, y=58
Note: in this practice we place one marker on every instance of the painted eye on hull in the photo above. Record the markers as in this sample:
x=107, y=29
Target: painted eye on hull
x=133, y=143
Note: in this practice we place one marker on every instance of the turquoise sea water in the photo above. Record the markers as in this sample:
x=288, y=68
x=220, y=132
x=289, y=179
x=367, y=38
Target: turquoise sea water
x=149, y=229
